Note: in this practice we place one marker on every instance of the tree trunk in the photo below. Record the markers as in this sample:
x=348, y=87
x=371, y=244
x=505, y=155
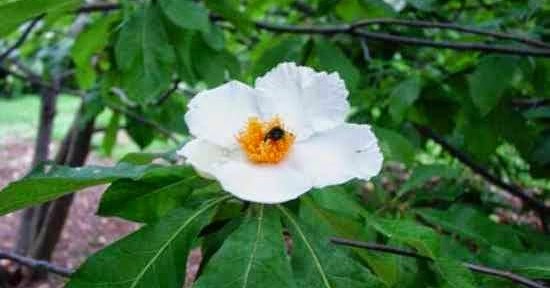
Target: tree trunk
x=45, y=222
x=73, y=155
x=28, y=225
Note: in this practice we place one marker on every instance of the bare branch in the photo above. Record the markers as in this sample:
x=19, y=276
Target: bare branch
x=518, y=279
x=455, y=27
x=356, y=32
x=167, y=93
x=147, y=122
x=104, y=7
x=21, y=39
x=39, y=265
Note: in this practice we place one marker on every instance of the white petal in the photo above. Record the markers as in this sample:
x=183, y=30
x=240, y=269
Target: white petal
x=203, y=156
x=262, y=183
x=306, y=100
x=338, y=155
x=219, y=114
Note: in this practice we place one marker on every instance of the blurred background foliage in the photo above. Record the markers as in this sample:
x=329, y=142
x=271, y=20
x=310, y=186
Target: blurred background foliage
x=463, y=116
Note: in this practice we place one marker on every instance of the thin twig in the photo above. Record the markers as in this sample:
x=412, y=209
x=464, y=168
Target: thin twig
x=518, y=279
x=147, y=122
x=406, y=40
x=167, y=93
x=452, y=26
x=513, y=189
x=104, y=7
x=21, y=38
x=39, y=265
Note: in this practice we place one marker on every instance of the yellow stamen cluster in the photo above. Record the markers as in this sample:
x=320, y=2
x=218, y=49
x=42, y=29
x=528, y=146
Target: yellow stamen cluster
x=260, y=149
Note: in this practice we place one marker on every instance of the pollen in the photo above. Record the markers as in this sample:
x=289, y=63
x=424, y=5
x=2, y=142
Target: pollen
x=265, y=142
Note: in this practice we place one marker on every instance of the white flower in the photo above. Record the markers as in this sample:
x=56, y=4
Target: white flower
x=274, y=142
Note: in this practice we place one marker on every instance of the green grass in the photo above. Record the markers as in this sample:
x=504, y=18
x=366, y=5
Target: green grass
x=19, y=119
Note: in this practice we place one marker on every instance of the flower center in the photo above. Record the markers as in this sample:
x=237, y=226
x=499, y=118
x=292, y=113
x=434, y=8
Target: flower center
x=265, y=142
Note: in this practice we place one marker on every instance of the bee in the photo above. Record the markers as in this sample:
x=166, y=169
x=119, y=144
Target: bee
x=274, y=134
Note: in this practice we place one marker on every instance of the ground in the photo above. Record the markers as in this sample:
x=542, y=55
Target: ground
x=84, y=232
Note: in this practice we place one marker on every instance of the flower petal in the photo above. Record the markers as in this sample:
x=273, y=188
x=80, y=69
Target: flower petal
x=338, y=155
x=262, y=183
x=306, y=100
x=218, y=115
x=203, y=156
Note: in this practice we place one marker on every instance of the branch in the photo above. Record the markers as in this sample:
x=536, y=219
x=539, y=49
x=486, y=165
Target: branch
x=167, y=93
x=531, y=103
x=513, y=189
x=147, y=122
x=518, y=279
x=355, y=31
x=21, y=39
x=39, y=265
x=455, y=27
x=104, y=7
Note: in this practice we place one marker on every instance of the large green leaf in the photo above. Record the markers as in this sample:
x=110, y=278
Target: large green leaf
x=425, y=173
x=252, y=256
x=317, y=263
x=144, y=55
x=14, y=13
x=230, y=10
x=186, y=14
x=150, y=198
x=332, y=59
x=403, y=96
x=89, y=42
x=342, y=224
x=470, y=223
x=39, y=187
x=409, y=232
x=490, y=80
x=395, y=146
x=535, y=265
x=153, y=257
x=454, y=274
x=270, y=53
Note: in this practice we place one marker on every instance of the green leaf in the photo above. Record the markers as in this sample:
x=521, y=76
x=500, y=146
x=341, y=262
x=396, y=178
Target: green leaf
x=403, y=97
x=230, y=11
x=186, y=14
x=424, y=239
x=144, y=55
x=90, y=41
x=153, y=257
x=182, y=40
x=541, y=154
x=454, y=274
x=39, y=187
x=252, y=256
x=272, y=53
x=490, y=80
x=332, y=59
x=214, y=37
x=14, y=13
x=318, y=263
x=142, y=134
x=395, y=146
x=111, y=132
x=152, y=197
x=470, y=223
x=425, y=173
x=534, y=265
x=338, y=223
